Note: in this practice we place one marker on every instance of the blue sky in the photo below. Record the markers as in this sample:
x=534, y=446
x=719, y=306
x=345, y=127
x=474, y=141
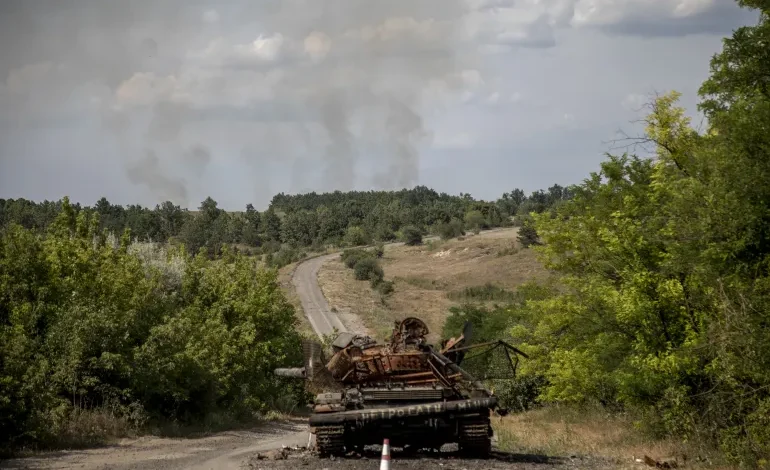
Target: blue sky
x=147, y=101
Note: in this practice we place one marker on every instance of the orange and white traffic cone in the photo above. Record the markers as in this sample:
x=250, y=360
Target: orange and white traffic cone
x=385, y=462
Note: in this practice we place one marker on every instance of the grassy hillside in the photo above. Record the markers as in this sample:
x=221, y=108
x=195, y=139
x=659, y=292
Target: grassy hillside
x=431, y=278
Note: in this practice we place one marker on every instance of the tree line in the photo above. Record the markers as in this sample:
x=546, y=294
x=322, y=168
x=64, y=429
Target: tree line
x=661, y=298
x=293, y=222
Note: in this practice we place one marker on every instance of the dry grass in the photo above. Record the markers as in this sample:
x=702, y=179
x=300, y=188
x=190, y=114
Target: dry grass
x=359, y=306
x=424, y=275
x=568, y=431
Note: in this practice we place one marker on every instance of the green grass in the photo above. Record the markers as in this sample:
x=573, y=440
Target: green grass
x=422, y=283
x=485, y=293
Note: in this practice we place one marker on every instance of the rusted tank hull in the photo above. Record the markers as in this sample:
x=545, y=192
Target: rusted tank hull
x=400, y=412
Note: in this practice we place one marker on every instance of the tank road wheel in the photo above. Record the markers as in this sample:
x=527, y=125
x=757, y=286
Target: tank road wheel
x=330, y=440
x=475, y=436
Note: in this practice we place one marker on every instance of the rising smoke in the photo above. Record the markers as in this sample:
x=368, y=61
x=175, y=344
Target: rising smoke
x=310, y=95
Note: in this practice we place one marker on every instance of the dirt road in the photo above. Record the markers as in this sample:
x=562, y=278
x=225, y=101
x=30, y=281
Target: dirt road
x=226, y=450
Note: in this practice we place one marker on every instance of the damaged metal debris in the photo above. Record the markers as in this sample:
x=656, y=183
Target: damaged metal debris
x=405, y=390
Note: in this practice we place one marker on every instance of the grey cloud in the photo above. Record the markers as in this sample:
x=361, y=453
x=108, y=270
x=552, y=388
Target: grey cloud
x=355, y=110
x=723, y=18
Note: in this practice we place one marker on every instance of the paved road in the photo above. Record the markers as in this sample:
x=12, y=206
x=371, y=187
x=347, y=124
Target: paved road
x=305, y=280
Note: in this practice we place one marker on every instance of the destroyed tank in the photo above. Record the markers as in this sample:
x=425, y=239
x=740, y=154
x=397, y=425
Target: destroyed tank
x=405, y=390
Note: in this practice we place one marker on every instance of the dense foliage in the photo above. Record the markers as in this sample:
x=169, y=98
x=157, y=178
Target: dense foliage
x=664, y=270
x=293, y=223
x=88, y=321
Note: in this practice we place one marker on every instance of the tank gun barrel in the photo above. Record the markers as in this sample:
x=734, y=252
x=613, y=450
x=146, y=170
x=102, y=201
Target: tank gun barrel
x=292, y=372
x=454, y=368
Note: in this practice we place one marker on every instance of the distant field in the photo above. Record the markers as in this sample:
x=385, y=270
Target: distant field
x=430, y=279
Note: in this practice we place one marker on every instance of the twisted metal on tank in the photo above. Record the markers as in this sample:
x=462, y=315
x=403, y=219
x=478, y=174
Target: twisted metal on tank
x=404, y=390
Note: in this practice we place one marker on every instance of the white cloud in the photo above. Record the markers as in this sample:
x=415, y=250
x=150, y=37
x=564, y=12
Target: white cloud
x=264, y=48
x=223, y=52
x=493, y=98
x=606, y=12
x=515, y=97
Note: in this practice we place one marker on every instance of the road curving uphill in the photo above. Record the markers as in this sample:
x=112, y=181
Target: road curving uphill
x=314, y=304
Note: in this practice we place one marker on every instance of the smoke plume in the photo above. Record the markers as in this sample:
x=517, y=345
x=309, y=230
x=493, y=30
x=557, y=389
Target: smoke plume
x=331, y=97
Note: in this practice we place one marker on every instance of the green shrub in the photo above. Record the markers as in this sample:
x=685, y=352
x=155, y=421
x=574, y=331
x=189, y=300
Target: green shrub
x=351, y=256
x=384, y=234
x=475, y=220
x=412, y=235
x=528, y=235
x=450, y=230
x=356, y=236
x=367, y=269
x=141, y=334
x=487, y=292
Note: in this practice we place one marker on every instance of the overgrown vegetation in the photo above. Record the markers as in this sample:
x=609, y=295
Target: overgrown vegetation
x=664, y=271
x=412, y=236
x=294, y=224
x=485, y=293
x=94, y=327
x=366, y=267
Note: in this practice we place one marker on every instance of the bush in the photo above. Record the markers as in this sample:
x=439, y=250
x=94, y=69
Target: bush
x=451, y=230
x=384, y=287
x=528, y=235
x=384, y=234
x=160, y=335
x=412, y=236
x=351, y=256
x=356, y=236
x=368, y=269
x=475, y=221
x=284, y=257
x=379, y=251
x=485, y=293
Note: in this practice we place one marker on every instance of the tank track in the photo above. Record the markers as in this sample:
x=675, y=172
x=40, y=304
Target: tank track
x=475, y=436
x=330, y=440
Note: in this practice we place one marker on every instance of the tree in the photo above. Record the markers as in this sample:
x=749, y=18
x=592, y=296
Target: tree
x=133, y=328
x=271, y=225
x=510, y=202
x=356, y=236
x=527, y=235
x=475, y=220
x=412, y=236
x=171, y=218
